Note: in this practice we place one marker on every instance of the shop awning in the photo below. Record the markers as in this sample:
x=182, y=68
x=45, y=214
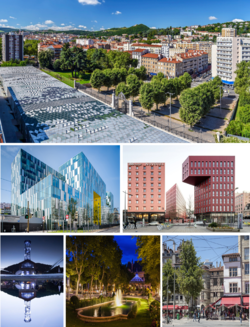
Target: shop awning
x=246, y=300
x=177, y=307
x=230, y=301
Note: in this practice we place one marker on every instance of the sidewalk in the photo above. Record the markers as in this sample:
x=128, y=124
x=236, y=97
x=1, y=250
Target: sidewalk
x=205, y=323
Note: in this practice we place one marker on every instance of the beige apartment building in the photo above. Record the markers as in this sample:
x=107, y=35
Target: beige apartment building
x=243, y=248
x=170, y=67
x=150, y=62
x=216, y=283
x=205, y=46
x=241, y=200
x=152, y=48
x=228, y=32
x=204, y=298
x=193, y=61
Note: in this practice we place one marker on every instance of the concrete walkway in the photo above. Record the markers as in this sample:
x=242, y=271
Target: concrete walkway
x=10, y=131
x=205, y=323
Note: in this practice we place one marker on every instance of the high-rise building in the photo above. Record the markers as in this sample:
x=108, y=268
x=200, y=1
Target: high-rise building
x=12, y=46
x=48, y=193
x=228, y=32
x=175, y=203
x=213, y=178
x=146, y=191
x=227, y=53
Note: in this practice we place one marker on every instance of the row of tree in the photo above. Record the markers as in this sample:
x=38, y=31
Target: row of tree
x=196, y=102
x=241, y=125
x=188, y=277
x=116, y=76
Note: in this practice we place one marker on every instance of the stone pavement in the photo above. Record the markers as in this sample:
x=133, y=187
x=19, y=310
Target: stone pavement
x=205, y=323
x=178, y=229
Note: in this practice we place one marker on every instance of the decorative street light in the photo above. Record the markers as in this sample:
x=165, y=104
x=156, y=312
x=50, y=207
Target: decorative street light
x=170, y=107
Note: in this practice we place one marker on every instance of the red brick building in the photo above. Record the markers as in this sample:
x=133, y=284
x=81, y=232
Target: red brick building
x=213, y=178
x=175, y=203
x=146, y=191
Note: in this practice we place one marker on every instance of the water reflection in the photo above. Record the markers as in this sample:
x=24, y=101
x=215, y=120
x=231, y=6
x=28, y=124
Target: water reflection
x=46, y=293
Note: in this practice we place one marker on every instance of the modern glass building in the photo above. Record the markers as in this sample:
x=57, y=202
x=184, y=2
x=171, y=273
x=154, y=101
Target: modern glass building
x=49, y=192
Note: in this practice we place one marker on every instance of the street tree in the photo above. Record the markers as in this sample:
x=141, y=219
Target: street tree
x=242, y=79
x=159, y=94
x=191, y=110
x=97, y=79
x=190, y=272
x=108, y=78
x=134, y=85
x=116, y=76
x=147, y=96
x=186, y=81
x=45, y=58
x=122, y=87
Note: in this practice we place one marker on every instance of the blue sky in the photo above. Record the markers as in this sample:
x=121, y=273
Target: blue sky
x=128, y=246
x=99, y=14
x=208, y=247
x=105, y=159
x=44, y=249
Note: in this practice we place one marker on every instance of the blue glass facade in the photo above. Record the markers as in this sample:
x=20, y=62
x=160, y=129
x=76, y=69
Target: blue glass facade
x=49, y=192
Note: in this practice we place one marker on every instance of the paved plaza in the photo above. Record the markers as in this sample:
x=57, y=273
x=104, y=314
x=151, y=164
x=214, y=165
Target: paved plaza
x=49, y=111
x=178, y=229
x=205, y=323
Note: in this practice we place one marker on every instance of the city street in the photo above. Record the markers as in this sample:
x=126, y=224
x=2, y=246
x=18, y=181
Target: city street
x=177, y=229
x=205, y=323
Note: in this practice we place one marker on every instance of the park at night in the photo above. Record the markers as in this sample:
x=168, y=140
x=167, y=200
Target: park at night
x=113, y=281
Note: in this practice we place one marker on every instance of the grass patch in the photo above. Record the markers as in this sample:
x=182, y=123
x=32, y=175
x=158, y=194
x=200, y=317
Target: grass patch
x=66, y=77
x=142, y=319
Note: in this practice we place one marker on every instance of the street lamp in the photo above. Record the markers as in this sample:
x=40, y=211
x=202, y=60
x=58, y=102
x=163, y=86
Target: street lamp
x=170, y=106
x=174, y=277
x=220, y=94
x=125, y=204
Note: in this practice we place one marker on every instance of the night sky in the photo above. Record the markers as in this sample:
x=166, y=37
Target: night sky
x=44, y=249
x=128, y=246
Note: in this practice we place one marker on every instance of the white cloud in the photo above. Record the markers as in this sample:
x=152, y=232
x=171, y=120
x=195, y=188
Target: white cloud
x=49, y=22
x=12, y=17
x=102, y=28
x=3, y=21
x=116, y=13
x=92, y=28
x=93, y=21
x=89, y=2
x=82, y=26
x=153, y=28
x=7, y=26
x=236, y=20
x=18, y=24
x=212, y=18
x=62, y=24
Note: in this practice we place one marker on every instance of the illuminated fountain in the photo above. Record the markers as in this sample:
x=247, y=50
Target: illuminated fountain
x=118, y=298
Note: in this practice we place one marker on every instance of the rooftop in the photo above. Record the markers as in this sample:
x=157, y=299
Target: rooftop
x=52, y=112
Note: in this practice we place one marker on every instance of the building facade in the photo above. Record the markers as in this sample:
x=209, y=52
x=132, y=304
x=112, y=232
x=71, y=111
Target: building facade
x=175, y=203
x=12, y=47
x=232, y=274
x=241, y=200
x=213, y=178
x=146, y=191
x=216, y=283
x=243, y=248
x=47, y=192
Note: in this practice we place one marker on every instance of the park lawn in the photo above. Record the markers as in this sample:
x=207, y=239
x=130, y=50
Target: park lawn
x=142, y=319
x=72, y=231
x=79, y=80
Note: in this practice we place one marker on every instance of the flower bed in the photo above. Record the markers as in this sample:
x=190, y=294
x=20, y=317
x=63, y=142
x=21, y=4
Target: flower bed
x=223, y=229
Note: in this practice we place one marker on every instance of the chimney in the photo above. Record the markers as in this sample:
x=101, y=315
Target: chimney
x=220, y=264
x=216, y=264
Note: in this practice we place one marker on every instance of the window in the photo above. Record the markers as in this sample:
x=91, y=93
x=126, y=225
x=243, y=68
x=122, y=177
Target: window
x=246, y=268
x=246, y=253
x=137, y=173
x=215, y=282
x=129, y=167
x=152, y=173
x=232, y=272
x=152, y=167
x=221, y=281
x=233, y=287
x=136, y=167
x=129, y=173
x=247, y=287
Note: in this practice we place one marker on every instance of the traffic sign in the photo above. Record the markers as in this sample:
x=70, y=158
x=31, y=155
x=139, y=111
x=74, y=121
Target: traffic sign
x=67, y=217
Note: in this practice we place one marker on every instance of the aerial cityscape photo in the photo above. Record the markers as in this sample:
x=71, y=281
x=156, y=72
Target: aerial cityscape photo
x=32, y=281
x=101, y=73
x=60, y=189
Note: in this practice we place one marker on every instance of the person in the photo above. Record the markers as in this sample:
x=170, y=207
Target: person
x=241, y=317
x=135, y=222
x=194, y=317
x=198, y=316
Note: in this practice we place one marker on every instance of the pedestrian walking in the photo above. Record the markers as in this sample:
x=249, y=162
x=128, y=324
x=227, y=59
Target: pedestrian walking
x=194, y=317
x=198, y=316
x=241, y=317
